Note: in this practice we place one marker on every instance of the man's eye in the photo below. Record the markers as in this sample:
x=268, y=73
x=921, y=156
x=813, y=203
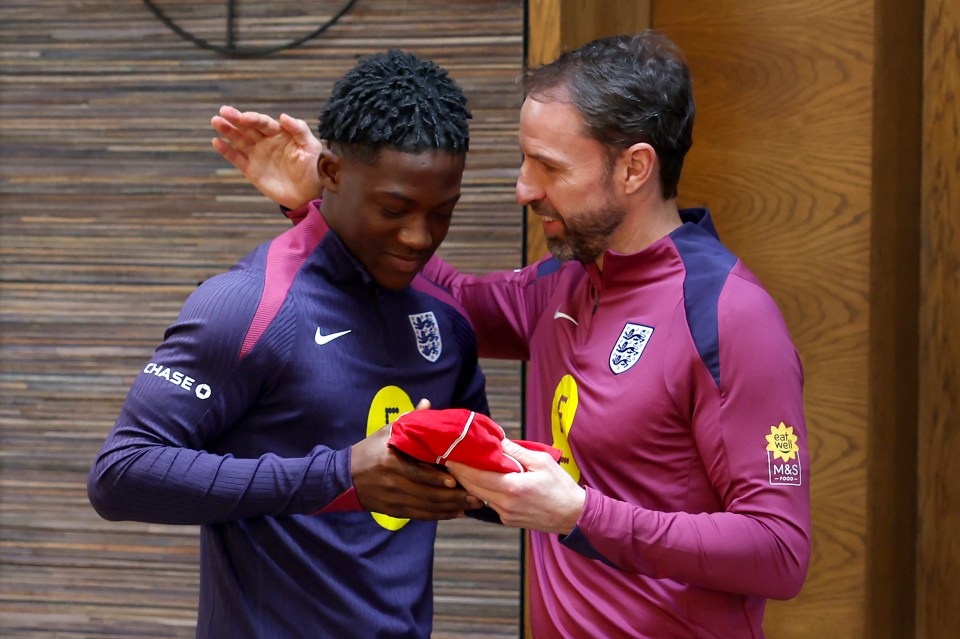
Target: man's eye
x=392, y=213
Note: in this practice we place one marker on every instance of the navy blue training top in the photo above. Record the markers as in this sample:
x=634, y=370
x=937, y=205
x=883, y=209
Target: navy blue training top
x=242, y=423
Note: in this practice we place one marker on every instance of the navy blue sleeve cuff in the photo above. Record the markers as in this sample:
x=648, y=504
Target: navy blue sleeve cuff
x=577, y=541
x=486, y=514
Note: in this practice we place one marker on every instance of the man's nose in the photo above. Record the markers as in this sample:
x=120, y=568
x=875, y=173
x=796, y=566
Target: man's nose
x=415, y=234
x=527, y=188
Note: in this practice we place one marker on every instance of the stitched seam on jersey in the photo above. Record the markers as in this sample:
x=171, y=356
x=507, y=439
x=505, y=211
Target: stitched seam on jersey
x=706, y=271
x=463, y=434
x=441, y=294
x=286, y=255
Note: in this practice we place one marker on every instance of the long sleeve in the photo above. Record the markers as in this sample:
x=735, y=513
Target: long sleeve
x=751, y=438
x=158, y=463
x=503, y=306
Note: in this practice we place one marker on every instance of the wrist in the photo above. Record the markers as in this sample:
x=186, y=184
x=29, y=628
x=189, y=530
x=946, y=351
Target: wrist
x=293, y=203
x=572, y=511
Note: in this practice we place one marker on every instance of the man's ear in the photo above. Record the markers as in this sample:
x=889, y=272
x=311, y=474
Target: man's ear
x=641, y=166
x=329, y=165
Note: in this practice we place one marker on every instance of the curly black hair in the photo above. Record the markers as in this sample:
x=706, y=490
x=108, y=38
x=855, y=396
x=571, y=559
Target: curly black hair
x=398, y=101
x=628, y=89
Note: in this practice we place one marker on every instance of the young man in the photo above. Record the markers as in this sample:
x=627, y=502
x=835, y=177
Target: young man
x=658, y=364
x=259, y=417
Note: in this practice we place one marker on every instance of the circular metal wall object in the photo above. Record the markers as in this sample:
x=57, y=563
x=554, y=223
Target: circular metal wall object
x=231, y=45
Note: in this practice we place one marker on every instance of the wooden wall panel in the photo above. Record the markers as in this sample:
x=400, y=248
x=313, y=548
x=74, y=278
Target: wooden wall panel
x=114, y=206
x=894, y=297
x=938, y=579
x=782, y=156
x=584, y=20
x=544, y=36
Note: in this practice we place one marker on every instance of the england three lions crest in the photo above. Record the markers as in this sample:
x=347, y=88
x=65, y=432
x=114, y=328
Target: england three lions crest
x=427, y=333
x=629, y=347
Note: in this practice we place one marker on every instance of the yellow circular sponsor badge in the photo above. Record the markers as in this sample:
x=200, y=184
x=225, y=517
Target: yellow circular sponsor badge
x=562, y=412
x=388, y=404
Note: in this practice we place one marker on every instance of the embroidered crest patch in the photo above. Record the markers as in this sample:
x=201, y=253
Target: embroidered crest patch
x=427, y=333
x=629, y=347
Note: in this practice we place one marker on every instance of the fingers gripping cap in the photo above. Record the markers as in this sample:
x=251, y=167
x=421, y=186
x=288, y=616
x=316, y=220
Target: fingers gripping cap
x=456, y=434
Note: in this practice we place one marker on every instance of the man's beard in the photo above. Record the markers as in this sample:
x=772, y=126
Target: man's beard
x=586, y=234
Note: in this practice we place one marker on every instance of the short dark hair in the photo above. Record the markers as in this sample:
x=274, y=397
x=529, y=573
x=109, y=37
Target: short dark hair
x=398, y=101
x=627, y=89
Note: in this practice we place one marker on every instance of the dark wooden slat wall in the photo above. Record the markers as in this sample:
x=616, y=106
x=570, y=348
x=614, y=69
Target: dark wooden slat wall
x=114, y=206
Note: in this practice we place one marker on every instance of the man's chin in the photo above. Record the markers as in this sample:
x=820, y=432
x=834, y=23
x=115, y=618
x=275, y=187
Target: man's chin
x=566, y=252
x=560, y=250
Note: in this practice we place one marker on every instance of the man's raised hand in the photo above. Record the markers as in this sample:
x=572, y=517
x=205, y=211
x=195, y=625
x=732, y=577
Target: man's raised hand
x=278, y=157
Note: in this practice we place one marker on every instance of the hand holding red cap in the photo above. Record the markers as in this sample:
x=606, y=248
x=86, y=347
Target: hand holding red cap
x=459, y=435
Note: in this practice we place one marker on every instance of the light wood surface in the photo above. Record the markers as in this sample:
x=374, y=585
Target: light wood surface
x=782, y=156
x=810, y=151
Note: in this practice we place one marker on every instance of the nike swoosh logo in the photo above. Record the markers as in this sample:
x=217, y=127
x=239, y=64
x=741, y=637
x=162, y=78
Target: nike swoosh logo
x=322, y=339
x=558, y=315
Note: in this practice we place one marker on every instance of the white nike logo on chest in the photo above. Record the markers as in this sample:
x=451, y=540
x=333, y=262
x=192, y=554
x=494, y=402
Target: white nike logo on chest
x=322, y=339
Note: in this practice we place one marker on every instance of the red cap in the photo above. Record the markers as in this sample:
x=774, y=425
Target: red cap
x=460, y=435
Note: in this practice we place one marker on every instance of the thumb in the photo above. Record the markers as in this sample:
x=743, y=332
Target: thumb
x=529, y=459
x=300, y=131
x=423, y=404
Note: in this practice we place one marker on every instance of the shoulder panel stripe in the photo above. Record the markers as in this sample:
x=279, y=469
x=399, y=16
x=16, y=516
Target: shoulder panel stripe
x=707, y=264
x=428, y=287
x=286, y=255
x=548, y=266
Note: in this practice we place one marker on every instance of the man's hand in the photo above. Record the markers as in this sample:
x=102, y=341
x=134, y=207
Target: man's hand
x=278, y=158
x=543, y=498
x=388, y=484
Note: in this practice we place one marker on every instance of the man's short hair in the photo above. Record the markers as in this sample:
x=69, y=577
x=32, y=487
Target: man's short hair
x=396, y=101
x=627, y=89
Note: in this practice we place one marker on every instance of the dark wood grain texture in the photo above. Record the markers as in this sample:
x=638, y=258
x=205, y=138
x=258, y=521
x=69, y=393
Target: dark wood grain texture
x=894, y=287
x=938, y=576
x=114, y=206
